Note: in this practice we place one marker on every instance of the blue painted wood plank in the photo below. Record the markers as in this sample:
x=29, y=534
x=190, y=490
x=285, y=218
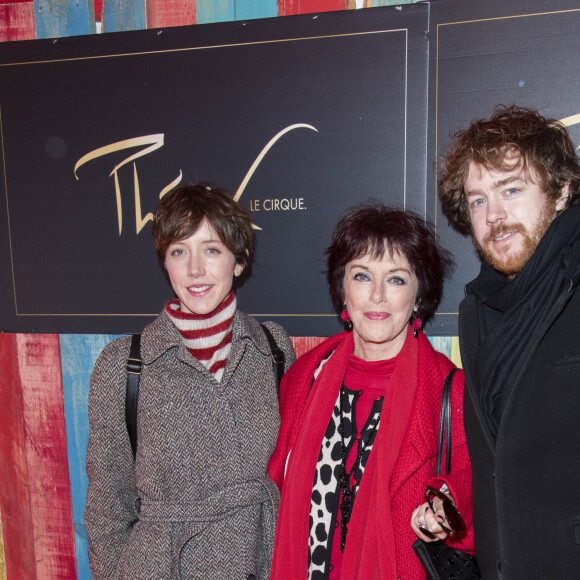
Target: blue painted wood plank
x=59, y=18
x=214, y=11
x=248, y=9
x=123, y=15
x=78, y=354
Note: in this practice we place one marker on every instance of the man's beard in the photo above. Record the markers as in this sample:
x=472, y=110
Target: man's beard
x=514, y=263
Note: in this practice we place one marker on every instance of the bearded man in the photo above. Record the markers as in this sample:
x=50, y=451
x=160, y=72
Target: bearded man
x=513, y=183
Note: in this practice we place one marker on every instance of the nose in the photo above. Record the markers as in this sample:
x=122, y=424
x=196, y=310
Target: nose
x=495, y=210
x=377, y=293
x=195, y=266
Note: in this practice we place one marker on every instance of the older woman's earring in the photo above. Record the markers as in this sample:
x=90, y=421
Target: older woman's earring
x=345, y=317
x=416, y=323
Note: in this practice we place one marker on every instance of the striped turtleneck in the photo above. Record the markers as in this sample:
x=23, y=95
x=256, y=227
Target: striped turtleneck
x=208, y=337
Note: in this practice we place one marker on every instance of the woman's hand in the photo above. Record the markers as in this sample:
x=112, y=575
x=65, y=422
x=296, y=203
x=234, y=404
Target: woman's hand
x=427, y=524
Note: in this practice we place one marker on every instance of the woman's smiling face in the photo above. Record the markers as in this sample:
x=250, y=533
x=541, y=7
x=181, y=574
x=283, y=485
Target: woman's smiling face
x=380, y=295
x=201, y=270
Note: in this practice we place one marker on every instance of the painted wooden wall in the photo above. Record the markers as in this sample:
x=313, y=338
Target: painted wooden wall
x=44, y=378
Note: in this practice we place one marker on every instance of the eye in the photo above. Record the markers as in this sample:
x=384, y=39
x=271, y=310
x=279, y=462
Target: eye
x=213, y=251
x=175, y=252
x=397, y=281
x=477, y=202
x=361, y=277
x=512, y=191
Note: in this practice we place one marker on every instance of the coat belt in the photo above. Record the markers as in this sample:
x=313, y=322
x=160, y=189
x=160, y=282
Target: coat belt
x=216, y=506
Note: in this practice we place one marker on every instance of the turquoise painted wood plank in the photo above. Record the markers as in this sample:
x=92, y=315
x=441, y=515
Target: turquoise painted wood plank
x=58, y=18
x=248, y=9
x=214, y=11
x=78, y=353
x=123, y=15
x=442, y=344
x=393, y=2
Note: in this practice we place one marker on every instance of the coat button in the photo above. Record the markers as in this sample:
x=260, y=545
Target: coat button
x=251, y=577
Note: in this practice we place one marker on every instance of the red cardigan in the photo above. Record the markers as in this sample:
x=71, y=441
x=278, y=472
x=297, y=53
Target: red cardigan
x=401, y=464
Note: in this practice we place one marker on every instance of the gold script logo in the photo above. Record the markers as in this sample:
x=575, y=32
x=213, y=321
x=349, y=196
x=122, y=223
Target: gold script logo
x=150, y=143
x=571, y=120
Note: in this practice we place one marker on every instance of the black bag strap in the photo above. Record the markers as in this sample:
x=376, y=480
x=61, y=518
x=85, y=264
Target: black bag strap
x=134, y=365
x=278, y=357
x=133, y=368
x=445, y=425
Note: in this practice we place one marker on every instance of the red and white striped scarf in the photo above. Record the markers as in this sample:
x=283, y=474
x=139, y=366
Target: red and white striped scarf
x=208, y=337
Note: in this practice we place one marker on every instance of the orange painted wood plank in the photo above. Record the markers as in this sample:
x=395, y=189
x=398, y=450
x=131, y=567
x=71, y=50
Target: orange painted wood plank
x=161, y=13
x=46, y=455
x=303, y=344
x=287, y=7
x=17, y=529
x=17, y=22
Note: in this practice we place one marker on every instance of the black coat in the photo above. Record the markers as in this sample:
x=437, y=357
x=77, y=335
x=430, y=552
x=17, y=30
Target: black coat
x=526, y=486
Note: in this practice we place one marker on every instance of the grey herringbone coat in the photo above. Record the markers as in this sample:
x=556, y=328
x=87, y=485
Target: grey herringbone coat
x=197, y=502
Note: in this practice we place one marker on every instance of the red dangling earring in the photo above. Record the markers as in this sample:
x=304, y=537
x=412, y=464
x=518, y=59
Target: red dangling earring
x=345, y=317
x=416, y=324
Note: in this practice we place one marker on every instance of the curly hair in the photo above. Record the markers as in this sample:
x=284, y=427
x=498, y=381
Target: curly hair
x=180, y=213
x=374, y=229
x=510, y=133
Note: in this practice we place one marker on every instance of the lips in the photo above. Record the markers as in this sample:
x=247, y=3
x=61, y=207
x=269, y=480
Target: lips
x=377, y=315
x=200, y=290
x=503, y=237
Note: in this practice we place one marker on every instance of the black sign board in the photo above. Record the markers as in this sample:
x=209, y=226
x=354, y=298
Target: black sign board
x=301, y=117
x=484, y=54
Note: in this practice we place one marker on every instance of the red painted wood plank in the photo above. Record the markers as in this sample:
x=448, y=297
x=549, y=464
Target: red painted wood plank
x=46, y=455
x=98, y=4
x=17, y=529
x=161, y=13
x=287, y=7
x=303, y=344
x=17, y=22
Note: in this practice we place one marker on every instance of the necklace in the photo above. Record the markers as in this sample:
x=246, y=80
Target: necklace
x=345, y=476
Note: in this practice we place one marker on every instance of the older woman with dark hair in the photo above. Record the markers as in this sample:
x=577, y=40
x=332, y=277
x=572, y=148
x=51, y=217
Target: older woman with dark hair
x=195, y=501
x=360, y=414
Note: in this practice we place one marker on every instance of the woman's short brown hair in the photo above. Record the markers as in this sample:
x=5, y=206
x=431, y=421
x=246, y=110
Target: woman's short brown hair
x=511, y=133
x=374, y=229
x=180, y=213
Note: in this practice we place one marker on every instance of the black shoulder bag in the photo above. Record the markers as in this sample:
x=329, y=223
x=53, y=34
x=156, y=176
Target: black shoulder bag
x=441, y=562
x=133, y=369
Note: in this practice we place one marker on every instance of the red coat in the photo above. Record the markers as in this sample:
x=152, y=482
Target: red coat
x=401, y=464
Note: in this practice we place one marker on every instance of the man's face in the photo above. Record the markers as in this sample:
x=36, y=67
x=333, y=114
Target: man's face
x=510, y=212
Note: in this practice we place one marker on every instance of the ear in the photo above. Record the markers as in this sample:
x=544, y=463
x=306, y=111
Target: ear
x=563, y=198
x=238, y=269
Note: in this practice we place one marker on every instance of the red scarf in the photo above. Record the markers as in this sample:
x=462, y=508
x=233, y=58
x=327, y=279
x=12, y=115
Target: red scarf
x=370, y=547
x=208, y=337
